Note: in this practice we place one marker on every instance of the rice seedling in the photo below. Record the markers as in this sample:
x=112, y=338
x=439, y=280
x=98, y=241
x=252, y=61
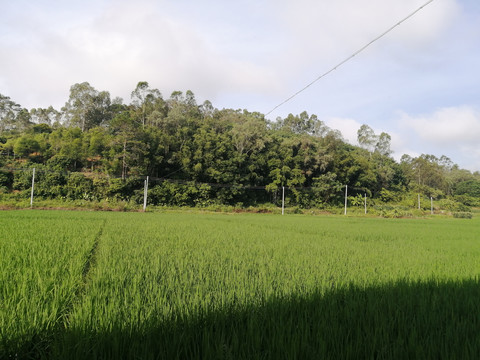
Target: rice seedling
x=182, y=285
x=42, y=256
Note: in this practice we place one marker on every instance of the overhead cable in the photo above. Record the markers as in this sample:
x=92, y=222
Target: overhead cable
x=351, y=56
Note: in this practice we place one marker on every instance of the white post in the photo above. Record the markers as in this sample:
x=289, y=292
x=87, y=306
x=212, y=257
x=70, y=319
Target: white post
x=418, y=201
x=346, y=191
x=365, y=203
x=33, y=185
x=145, y=192
x=431, y=205
x=283, y=199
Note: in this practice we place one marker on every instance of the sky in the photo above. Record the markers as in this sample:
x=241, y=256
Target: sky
x=420, y=83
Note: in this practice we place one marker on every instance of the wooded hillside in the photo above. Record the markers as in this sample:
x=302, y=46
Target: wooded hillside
x=195, y=154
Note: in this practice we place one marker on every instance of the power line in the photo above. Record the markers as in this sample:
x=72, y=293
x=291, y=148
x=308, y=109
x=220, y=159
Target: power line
x=350, y=57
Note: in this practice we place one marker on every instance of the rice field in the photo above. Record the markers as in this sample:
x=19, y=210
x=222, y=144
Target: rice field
x=93, y=285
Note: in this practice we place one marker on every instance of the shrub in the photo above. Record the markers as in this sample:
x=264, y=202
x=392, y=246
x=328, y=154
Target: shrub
x=79, y=187
x=462, y=215
x=467, y=200
x=452, y=205
x=6, y=180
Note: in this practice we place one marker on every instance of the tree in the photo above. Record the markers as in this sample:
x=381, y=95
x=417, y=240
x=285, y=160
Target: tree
x=127, y=149
x=178, y=139
x=86, y=107
x=25, y=145
x=144, y=99
x=100, y=112
x=425, y=172
x=368, y=140
x=247, y=130
x=47, y=116
x=469, y=187
x=72, y=149
x=366, y=137
x=383, y=144
x=304, y=124
x=94, y=144
x=207, y=109
x=9, y=111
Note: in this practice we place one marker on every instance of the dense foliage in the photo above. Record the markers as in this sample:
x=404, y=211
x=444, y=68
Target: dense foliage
x=97, y=148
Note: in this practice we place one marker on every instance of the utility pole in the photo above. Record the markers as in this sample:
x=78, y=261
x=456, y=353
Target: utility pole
x=145, y=193
x=365, y=203
x=33, y=185
x=346, y=191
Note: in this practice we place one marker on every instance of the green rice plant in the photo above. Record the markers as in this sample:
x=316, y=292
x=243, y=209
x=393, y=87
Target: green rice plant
x=178, y=285
x=42, y=256
x=249, y=286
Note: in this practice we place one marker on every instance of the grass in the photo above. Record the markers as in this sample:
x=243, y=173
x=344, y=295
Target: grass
x=42, y=257
x=191, y=285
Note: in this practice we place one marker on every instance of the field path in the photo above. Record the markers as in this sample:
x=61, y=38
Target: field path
x=87, y=267
x=92, y=254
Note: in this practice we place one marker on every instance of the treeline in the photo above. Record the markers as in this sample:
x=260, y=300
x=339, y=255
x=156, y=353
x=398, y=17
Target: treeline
x=96, y=147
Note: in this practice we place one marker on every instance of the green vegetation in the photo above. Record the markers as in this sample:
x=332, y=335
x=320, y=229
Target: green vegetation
x=220, y=286
x=98, y=149
x=42, y=260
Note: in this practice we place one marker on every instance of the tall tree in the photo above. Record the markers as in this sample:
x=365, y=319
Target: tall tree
x=86, y=107
x=366, y=137
x=144, y=99
x=303, y=124
x=128, y=149
x=47, y=116
x=9, y=111
x=383, y=144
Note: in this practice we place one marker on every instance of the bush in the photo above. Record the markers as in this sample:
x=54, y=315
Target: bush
x=452, y=205
x=79, y=187
x=469, y=187
x=6, y=180
x=50, y=184
x=467, y=200
x=124, y=189
x=23, y=179
x=462, y=215
x=395, y=213
x=172, y=194
x=60, y=163
x=389, y=196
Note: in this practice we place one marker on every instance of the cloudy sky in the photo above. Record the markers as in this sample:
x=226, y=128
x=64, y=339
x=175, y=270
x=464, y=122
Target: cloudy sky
x=420, y=83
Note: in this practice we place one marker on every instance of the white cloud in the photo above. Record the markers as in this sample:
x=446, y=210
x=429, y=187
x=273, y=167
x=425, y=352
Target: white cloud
x=348, y=128
x=449, y=127
x=215, y=49
x=255, y=54
x=328, y=29
x=451, y=131
x=119, y=44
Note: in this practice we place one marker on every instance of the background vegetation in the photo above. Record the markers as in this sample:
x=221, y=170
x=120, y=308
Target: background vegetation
x=96, y=148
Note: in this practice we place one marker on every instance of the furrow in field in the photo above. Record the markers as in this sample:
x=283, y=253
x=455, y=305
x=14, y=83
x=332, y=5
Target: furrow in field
x=92, y=254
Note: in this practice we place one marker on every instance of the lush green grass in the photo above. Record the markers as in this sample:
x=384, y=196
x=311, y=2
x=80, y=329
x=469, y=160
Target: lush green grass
x=42, y=257
x=179, y=285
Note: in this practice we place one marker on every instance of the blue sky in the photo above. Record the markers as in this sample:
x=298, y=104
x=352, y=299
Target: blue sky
x=420, y=83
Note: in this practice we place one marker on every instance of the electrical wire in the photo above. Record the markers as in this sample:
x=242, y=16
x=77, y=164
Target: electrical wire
x=350, y=57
